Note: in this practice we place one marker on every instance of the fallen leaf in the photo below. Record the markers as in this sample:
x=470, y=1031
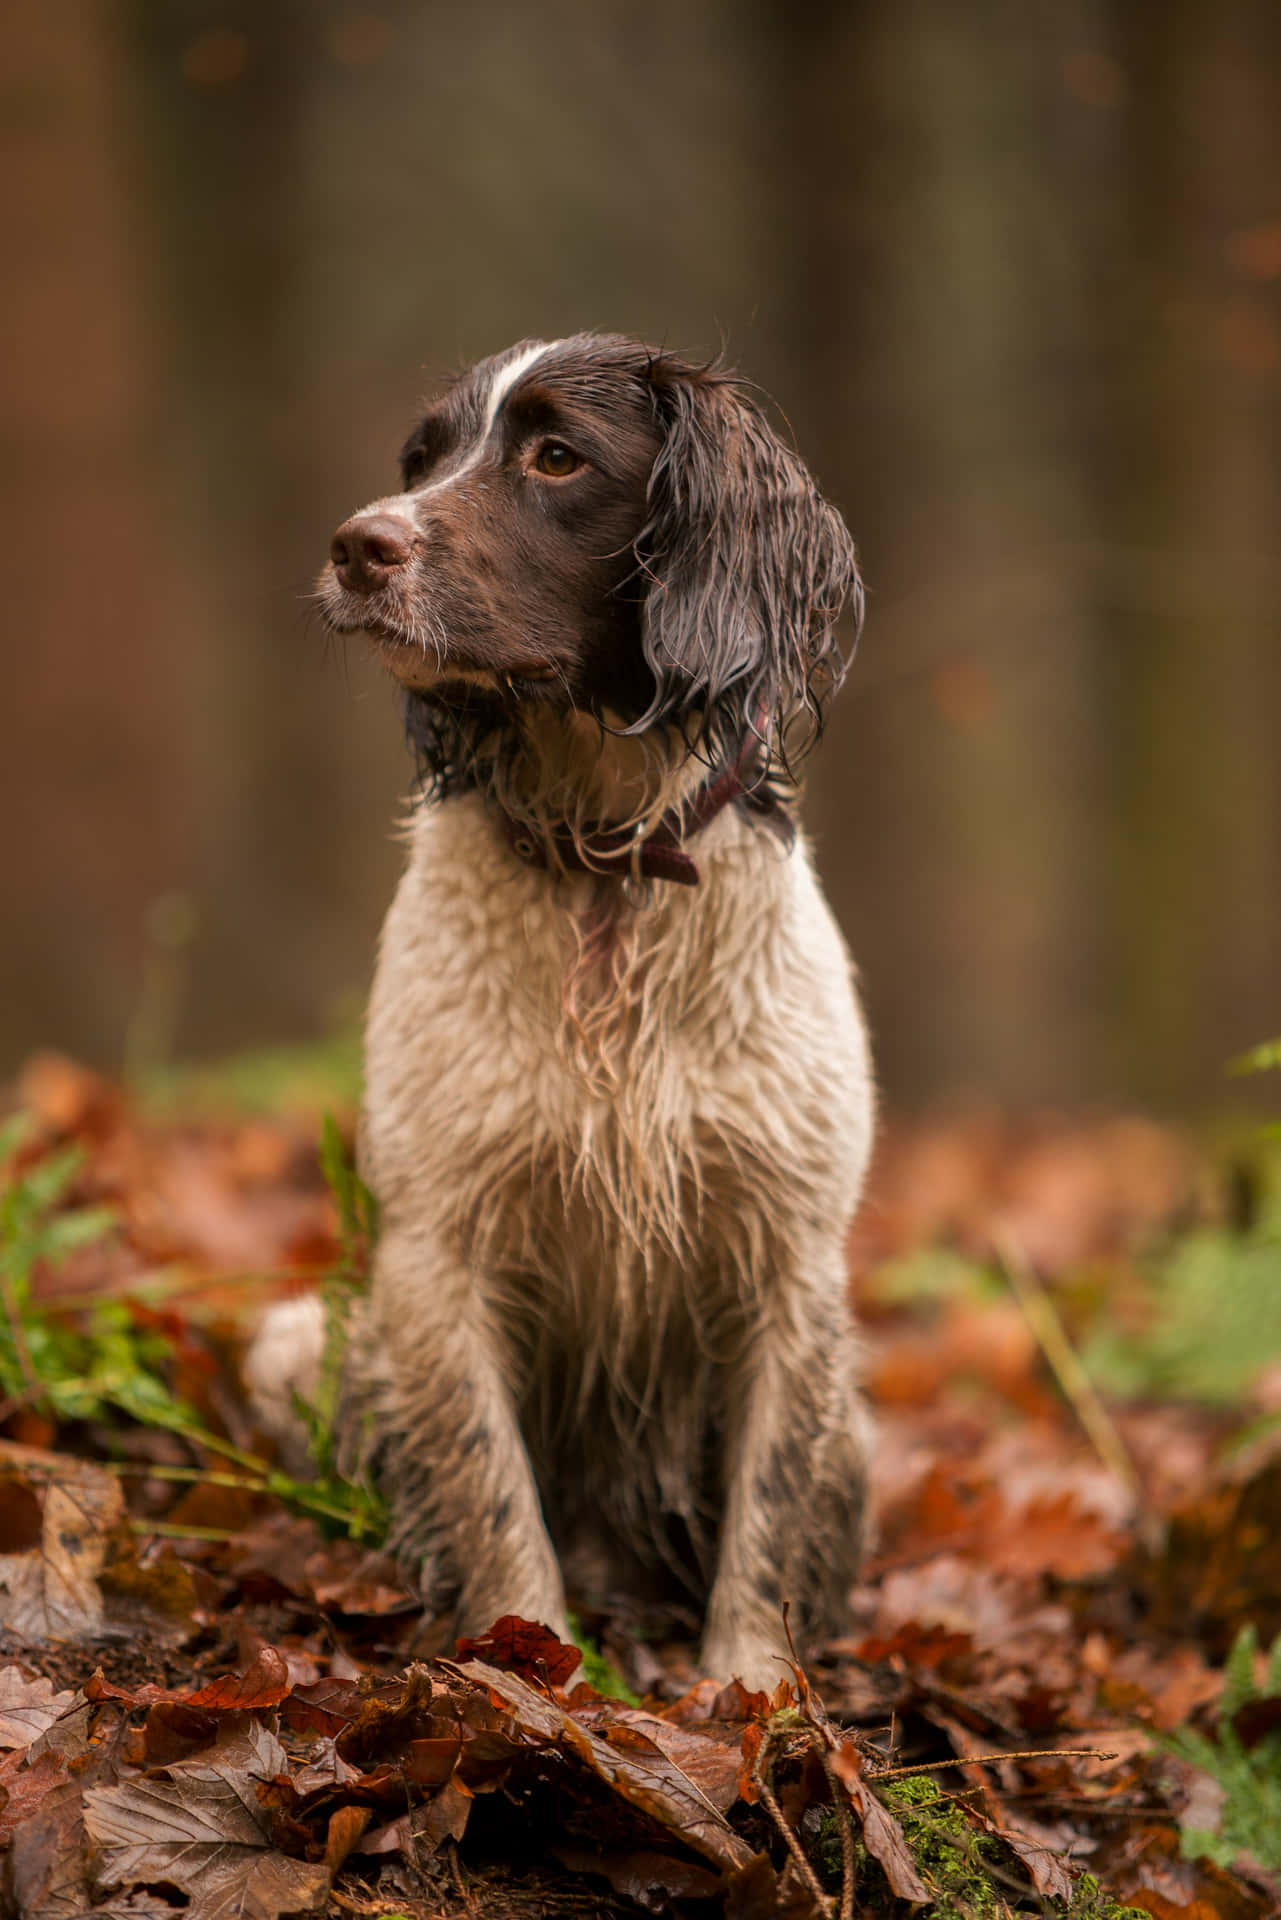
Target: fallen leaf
x=51, y=1592
x=359, y=1583
x=881, y=1832
x=264, y=1684
x=420, y=1832
x=49, y=1864
x=199, y=1825
x=524, y=1647
x=23, y=1786
x=752, y=1892
x=1047, y=1874
x=325, y=1769
x=325, y=1706
x=346, y=1825
x=27, y=1707
x=69, y=1733
x=642, y=1775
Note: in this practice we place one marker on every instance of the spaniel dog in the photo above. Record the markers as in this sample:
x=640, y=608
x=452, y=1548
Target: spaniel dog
x=617, y=1100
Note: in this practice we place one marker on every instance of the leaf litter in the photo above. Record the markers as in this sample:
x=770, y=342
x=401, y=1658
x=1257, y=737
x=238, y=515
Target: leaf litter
x=208, y=1704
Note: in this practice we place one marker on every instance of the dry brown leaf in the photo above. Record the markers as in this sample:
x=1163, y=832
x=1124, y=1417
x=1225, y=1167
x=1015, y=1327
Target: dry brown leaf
x=444, y=1817
x=881, y=1832
x=49, y=1864
x=1046, y=1873
x=27, y=1707
x=642, y=1775
x=51, y=1591
x=23, y=1785
x=712, y=1764
x=199, y=1825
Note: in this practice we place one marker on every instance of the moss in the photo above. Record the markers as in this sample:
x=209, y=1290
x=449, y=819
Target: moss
x=1089, y=1902
x=950, y=1856
x=960, y=1865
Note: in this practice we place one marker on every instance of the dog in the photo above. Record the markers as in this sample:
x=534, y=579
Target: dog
x=618, y=1101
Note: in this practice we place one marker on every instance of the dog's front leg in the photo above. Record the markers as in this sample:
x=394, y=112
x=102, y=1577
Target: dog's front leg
x=430, y=1389
x=794, y=1516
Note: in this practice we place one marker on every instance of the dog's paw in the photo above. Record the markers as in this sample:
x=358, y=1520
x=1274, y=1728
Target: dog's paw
x=284, y=1360
x=759, y=1663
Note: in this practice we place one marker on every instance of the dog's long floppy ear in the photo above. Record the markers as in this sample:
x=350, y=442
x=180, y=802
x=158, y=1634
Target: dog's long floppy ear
x=748, y=571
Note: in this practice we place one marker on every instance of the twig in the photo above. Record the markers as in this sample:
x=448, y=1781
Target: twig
x=456, y=1874
x=356, y=1906
x=840, y=1805
x=847, y=1862
x=1065, y=1363
x=991, y=1759
x=793, y=1845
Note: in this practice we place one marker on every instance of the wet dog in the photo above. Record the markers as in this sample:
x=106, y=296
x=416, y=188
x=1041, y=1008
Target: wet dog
x=618, y=1100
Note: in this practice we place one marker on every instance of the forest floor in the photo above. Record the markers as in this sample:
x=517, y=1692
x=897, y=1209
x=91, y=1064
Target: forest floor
x=1054, y=1694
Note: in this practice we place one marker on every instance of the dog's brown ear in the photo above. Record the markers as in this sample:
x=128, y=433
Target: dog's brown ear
x=748, y=571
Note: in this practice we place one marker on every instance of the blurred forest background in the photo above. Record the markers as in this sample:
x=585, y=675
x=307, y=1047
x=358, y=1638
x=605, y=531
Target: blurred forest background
x=1011, y=269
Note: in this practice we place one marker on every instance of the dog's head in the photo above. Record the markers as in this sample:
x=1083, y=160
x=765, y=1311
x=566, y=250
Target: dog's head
x=592, y=524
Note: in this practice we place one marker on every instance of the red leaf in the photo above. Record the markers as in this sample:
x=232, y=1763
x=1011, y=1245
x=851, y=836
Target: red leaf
x=24, y=1787
x=524, y=1647
x=753, y=1737
x=173, y=1731
x=264, y=1684
x=323, y=1706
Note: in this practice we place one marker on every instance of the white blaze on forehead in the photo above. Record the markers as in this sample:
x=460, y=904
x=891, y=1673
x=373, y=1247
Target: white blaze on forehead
x=504, y=379
x=501, y=382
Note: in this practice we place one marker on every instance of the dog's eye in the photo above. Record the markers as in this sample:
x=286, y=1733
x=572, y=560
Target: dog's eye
x=557, y=460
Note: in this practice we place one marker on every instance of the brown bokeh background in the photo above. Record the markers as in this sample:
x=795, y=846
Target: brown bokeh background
x=1013, y=272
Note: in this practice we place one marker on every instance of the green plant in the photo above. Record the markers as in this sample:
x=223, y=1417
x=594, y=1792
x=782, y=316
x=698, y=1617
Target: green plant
x=309, y=1076
x=598, y=1670
x=1248, y=1775
x=1214, y=1294
x=357, y=1212
x=76, y=1374
x=1260, y=1059
x=966, y=1870
x=104, y=1363
x=1214, y=1319
x=1265, y=1058
x=952, y=1858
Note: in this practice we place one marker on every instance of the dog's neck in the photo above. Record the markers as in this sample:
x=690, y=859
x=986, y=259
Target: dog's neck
x=669, y=803
x=576, y=769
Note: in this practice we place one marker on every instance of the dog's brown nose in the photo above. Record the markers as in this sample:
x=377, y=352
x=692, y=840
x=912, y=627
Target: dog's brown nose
x=369, y=547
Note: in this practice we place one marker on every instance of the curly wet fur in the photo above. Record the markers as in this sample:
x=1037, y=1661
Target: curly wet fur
x=617, y=1140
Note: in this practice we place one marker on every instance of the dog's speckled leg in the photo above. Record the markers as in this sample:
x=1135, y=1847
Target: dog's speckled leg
x=443, y=1434
x=795, y=1491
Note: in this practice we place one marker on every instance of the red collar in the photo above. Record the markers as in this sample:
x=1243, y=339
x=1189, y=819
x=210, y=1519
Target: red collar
x=660, y=855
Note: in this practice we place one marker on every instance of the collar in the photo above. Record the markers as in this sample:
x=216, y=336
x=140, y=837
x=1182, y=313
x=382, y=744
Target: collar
x=632, y=855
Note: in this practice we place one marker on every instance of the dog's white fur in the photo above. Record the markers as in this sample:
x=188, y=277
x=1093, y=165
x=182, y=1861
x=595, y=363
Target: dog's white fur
x=668, y=1198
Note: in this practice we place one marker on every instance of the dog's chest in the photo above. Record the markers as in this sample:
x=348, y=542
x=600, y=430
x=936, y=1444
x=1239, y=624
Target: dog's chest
x=511, y=1014
x=551, y=1085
